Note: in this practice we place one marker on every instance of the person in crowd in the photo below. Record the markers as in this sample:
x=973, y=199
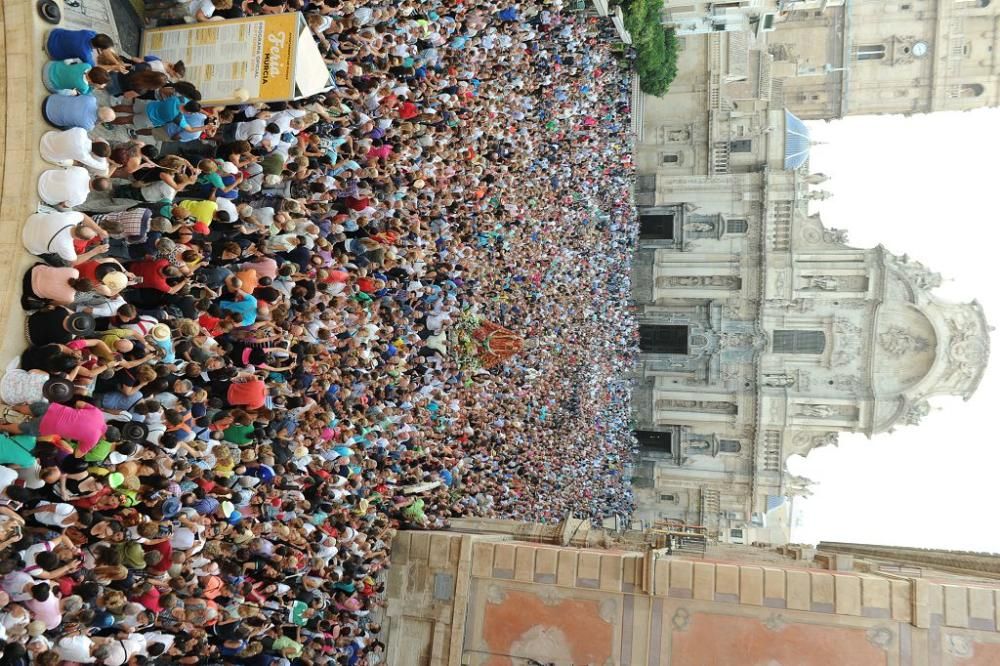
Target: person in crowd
x=308, y=324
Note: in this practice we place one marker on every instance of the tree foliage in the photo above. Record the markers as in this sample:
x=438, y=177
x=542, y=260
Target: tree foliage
x=655, y=46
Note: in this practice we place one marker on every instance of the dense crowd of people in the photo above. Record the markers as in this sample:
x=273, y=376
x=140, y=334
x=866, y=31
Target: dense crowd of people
x=245, y=367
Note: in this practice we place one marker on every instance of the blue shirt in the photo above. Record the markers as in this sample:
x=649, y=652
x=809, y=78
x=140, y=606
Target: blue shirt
x=184, y=133
x=247, y=308
x=66, y=111
x=65, y=44
x=165, y=111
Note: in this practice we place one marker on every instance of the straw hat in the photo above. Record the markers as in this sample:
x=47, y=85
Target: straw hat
x=115, y=281
x=160, y=332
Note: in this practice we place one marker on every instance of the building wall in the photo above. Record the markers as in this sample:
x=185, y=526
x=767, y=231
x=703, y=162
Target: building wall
x=519, y=601
x=877, y=56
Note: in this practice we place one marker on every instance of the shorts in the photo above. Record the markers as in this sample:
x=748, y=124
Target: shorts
x=140, y=120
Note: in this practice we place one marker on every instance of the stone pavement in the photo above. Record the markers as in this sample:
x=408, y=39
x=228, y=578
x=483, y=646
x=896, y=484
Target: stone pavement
x=21, y=38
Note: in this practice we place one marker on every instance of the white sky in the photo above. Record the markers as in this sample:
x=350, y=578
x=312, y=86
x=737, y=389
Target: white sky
x=926, y=186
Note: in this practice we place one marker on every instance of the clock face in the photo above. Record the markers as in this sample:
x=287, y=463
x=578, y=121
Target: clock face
x=919, y=49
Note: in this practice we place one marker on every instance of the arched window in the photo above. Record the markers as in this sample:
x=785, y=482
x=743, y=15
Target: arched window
x=736, y=226
x=965, y=91
x=798, y=342
x=871, y=52
x=982, y=3
x=729, y=446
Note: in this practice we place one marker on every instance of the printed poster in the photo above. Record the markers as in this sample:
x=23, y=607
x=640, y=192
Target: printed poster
x=226, y=58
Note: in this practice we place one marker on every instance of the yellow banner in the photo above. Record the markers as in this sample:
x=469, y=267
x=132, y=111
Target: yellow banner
x=251, y=58
x=277, y=57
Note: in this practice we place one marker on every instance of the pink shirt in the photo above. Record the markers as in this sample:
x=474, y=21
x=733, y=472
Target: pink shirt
x=47, y=611
x=84, y=426
x=53, y=283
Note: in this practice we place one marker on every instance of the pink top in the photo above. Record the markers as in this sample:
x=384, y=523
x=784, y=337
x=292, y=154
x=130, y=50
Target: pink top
x=53, y=283
x=265, y=267
x=84, y=426
x=47, y=611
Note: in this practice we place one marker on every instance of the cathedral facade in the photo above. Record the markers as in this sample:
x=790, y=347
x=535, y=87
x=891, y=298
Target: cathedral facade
x=886, y=56
x=763, y=333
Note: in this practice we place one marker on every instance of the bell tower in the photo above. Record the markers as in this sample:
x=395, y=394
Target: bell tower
x=862, y=57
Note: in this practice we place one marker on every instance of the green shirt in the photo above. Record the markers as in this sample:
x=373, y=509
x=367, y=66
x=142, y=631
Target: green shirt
x=69, y=77
x=101, y=451
x=17, y=450
x=238, y=434
x=283, y=642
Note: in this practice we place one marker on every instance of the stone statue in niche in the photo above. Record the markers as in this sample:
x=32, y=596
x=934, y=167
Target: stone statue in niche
x=898, y=341
x=778, y=380
x=698, y=446
x=699, y=226
x=822, y=283
x=816, y=410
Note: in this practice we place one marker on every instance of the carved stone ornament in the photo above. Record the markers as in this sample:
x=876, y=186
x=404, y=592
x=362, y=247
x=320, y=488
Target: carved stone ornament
x=958, y=646
x=967, y=353
x=814, y=440
x=681, y=619
x=917, y=274
x=917, y=412
x=775, y=622
x=898, y=341
x=817, y=178
x=880, y=637
x=846, y=342
x=838, y=236
x=716, y=281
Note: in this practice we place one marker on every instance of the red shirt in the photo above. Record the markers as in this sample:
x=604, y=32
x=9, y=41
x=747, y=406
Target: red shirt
x=151, y=272
x=166, y=550
x=408, y=110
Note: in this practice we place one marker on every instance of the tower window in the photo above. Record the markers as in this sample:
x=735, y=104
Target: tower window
x=663, y=339
x=736, y=226
x=871, y=52
x=669, y=158
x=741, y=146
x=729, y=446
x=965, y=90
x=666, y=498
x=798, y=342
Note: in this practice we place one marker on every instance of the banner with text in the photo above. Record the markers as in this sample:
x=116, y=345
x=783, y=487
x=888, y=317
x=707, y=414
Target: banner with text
x=249, y=59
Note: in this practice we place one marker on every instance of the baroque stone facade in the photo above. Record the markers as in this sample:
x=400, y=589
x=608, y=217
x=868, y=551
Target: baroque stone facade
x=763, y=334
x=885, y=56
x=516, y=594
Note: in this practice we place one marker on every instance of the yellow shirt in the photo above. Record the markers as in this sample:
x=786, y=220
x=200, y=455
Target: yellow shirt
x=203, y=211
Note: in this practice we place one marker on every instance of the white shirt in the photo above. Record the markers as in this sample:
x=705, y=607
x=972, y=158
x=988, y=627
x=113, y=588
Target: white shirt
x=69, y=146
x=57, y=517
x=50, y=232
x=123, y=650
x=206, y=7
x=22, y=386
x=75, y=648
x=252, y=131
x=69, y=186
x=158, y=191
